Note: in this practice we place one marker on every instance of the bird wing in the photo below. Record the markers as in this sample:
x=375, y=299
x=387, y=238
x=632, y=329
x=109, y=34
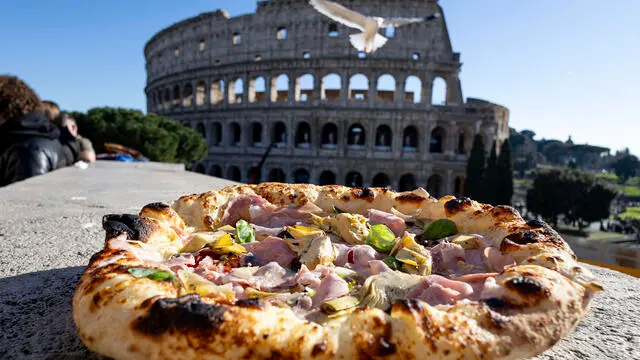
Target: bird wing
x=340, y=13
x=395, y=22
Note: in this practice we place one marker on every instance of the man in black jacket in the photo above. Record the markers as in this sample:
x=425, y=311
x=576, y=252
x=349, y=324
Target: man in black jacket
x=29, y=142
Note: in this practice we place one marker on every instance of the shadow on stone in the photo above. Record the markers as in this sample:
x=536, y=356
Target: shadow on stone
x=36, y=316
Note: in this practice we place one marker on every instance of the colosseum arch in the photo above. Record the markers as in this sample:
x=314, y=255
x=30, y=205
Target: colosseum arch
x=437, y=139
x=257, y=89
x=201, y=93
x=386, y=89
x=301, y=176
x=199, y=168
x=235, y=134
x=216, y=95
x=327, y=178
x=303, y=135
x=256, y=135
x=463, y=142
x=234, y=174
x=356, y=137
x=236, y=90
x=331, y=87
x=439, y=91
x=175, y=102
x=279, y=134
x=304, y=88
x=354, y=179
x=277, y=175
x=216, y=133
x=329, y=136
x=187, y=96
x=358, y=87
x=434, y=185
x=458, y=186
x=383, y=138
x=216, y=170
x=280, y=88
x=200, y=128
x=381, y=180
x=167, y=99
x=410, y=139
x=254, y=175
x=407, y=182
x=413, y=90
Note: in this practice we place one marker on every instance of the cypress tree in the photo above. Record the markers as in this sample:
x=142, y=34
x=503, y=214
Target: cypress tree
x=505, y=175
x=490, y=180
x=475, y=169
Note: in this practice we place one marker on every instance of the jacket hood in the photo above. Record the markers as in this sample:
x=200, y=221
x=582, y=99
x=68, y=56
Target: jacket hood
x=35, y=124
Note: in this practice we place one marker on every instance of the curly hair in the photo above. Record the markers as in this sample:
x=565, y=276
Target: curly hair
x=16, y=98
x=52, y=110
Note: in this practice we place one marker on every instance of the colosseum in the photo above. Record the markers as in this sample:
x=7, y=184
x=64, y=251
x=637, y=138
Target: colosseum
x=285, y=80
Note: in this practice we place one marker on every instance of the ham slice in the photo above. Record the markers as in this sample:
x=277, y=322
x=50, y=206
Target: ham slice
x=271, y=249
x=496, y=260
x=477, y=282
x=358, y=255
x=239, y=207
x=181, y=262
x=393, y=222
x=378, y=266
x=272, y=277
x=438, y=290
x=331, y=287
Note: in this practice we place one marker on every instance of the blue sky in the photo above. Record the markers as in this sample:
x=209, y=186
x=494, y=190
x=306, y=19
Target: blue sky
x=563, y=67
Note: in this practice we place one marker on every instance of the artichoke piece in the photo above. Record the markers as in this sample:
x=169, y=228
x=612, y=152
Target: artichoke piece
x=196, y=284
x=466, y=242
x=225, y=245
x=226, y=228
x=415, y=262
x=351, y=227
x=201, y=240
x=253, y=293
x=304, y=232
x=339, y=304
x=319, y=252
x=380, y=291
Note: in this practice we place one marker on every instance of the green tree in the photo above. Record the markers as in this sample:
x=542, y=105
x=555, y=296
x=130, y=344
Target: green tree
x=490, y=179
x=475, y=170
x=156, y=137
x=504, y=175
x=626, y=167
x=578, y=196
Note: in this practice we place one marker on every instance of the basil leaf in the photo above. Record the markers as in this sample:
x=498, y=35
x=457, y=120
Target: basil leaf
x=440, y=229
x=244, y=232
x=153, y=274
x=336, y=210
x=381, y=238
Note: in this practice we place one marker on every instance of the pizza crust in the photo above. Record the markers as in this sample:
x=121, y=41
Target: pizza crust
x=532, y=305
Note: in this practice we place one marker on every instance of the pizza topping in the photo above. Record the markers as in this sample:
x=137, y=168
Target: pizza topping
x=320, y=252
x=200, y=240
x=196, y=284
x=440, y=229
x=153, y=274
x=181, y=261
x=393, y=222
x=244, y=232
x=498, y=261
x=352, y=228
x=382, y=290
x=381, y=238
x=262, y=232
x=340, y=304
x=331, y=287
x=271, y=249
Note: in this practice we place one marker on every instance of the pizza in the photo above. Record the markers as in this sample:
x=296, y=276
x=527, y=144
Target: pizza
x=279, y=271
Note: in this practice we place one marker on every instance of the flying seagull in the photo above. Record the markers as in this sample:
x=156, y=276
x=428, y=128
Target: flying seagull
x=369, y=40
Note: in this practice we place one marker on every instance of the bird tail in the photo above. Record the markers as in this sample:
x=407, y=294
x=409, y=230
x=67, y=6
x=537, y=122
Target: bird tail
x=359, y=41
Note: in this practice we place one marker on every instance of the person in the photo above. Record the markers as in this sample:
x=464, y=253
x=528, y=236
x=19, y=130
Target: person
x=69, y=129
x=29, y=143
x=51, y=109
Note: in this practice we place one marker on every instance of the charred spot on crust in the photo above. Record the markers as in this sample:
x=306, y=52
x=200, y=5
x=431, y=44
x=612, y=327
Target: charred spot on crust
x=524, y=286
x=504, y=213
x=410, y=198
x=136, y=227
x=537, y=224
x=452, y=207
x=364, y=193
x=496, y=304
x=525, y=237
x=319, y=348
x=256, y=303
x=157, y=206
x=184, y=314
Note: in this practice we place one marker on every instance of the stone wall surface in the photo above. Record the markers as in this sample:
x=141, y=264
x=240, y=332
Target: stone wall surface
x=50, y=226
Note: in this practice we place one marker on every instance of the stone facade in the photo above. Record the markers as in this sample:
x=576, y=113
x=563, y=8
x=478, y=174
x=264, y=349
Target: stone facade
x=287, y=76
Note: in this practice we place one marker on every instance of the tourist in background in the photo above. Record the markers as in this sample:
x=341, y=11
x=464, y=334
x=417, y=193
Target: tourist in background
x=29, y=143
x=69, y=129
